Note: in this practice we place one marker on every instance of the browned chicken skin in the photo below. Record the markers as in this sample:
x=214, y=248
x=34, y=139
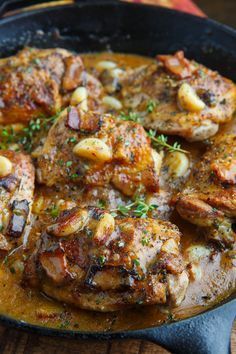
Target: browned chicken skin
x=160, y=84
x=16, y=196
x=209, y=198
x=39, y=82
x=125, y=158
x=89, y=259
x=92, y=165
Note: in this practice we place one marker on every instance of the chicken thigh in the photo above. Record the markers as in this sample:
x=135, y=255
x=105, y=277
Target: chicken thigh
x=90, y=149
x=38, y=82
x=93, y=261
x=177, y=96
x=209, y=198
x=16, y=196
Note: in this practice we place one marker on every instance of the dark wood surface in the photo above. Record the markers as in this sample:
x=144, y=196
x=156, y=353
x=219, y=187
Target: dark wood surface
x=17, y=342
x=221, y=10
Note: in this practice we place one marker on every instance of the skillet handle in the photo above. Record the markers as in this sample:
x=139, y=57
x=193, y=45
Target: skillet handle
x=208, y=333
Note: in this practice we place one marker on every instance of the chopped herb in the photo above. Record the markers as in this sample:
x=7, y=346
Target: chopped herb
x=36, y=61
x=64, y=324
x=71, y=140
x=145, y=241
x=120, y=138
x=12, y=270
x=74, y=175
x=68, y=163
x=151, y=105
x=101, y=260
x=161, y=141
x=136, y=261
x=101, y=204
x=54, y=212
x=8, y=136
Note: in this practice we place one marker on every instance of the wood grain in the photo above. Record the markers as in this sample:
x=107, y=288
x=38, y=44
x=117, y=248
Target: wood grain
x=16, y=342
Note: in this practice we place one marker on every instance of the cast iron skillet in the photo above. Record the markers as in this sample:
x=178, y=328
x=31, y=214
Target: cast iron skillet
x=97, y=25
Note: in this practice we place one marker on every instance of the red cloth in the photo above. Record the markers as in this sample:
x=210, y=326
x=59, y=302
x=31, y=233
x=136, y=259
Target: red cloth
x=182, y=5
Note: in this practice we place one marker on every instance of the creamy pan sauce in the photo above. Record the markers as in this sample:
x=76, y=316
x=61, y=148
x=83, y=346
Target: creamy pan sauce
x=217, y=280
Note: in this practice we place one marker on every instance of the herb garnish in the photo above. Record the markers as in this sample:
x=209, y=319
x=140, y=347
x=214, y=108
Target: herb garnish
x=161, y=141
x=27, y=135
x=8, y=136
x=134, y=117
x=145, y=241
x=138, y=208
x=151, y=105
x=101, y=260
x=35, y=125
x=54, y=211
x=136, y=261
x=71, y=140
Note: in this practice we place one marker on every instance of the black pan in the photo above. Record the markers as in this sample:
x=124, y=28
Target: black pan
x=132, y=28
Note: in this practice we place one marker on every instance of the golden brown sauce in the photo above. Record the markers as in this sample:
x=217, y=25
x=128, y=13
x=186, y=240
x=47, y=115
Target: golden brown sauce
x=30, y=306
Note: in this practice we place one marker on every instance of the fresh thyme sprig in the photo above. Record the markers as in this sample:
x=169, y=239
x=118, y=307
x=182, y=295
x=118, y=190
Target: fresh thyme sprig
x=138, y=208
x=134, y=117
x=161, y=141
x=8, y=136
x=26, y=137
x=34, y=127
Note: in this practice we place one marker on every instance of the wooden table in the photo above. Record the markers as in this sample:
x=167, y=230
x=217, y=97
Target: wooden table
x=16, y=342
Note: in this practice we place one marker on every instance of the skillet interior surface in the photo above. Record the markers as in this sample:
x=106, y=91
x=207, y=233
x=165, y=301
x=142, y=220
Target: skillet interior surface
x=130, y=29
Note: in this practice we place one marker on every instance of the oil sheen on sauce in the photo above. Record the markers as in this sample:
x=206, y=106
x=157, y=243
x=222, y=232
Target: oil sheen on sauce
x=217, y=281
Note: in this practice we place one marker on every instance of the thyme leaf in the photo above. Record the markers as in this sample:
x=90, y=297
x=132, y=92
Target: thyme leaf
x=132, y=116
x=161, y=141
x=151, y=105
x=138, y=208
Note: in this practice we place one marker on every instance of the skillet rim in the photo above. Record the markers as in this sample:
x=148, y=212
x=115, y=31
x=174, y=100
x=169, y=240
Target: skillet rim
x=104, y=335
x=27, y=13
x=133, y=333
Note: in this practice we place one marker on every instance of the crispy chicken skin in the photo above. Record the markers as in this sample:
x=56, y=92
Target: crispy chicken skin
x=130, y=164
x=16, y=196
x=159, y=83
x=209, y=198
x=90, y=260
x=39, y=82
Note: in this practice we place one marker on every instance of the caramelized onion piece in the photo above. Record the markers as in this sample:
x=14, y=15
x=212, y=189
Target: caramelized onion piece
x=225, y=170
x=4, y=245
x=74, y=69
x=91, y=124
x=55, y=265
x=73, y=119
x=20, y=212
x=9, y=183
x=177, y=64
